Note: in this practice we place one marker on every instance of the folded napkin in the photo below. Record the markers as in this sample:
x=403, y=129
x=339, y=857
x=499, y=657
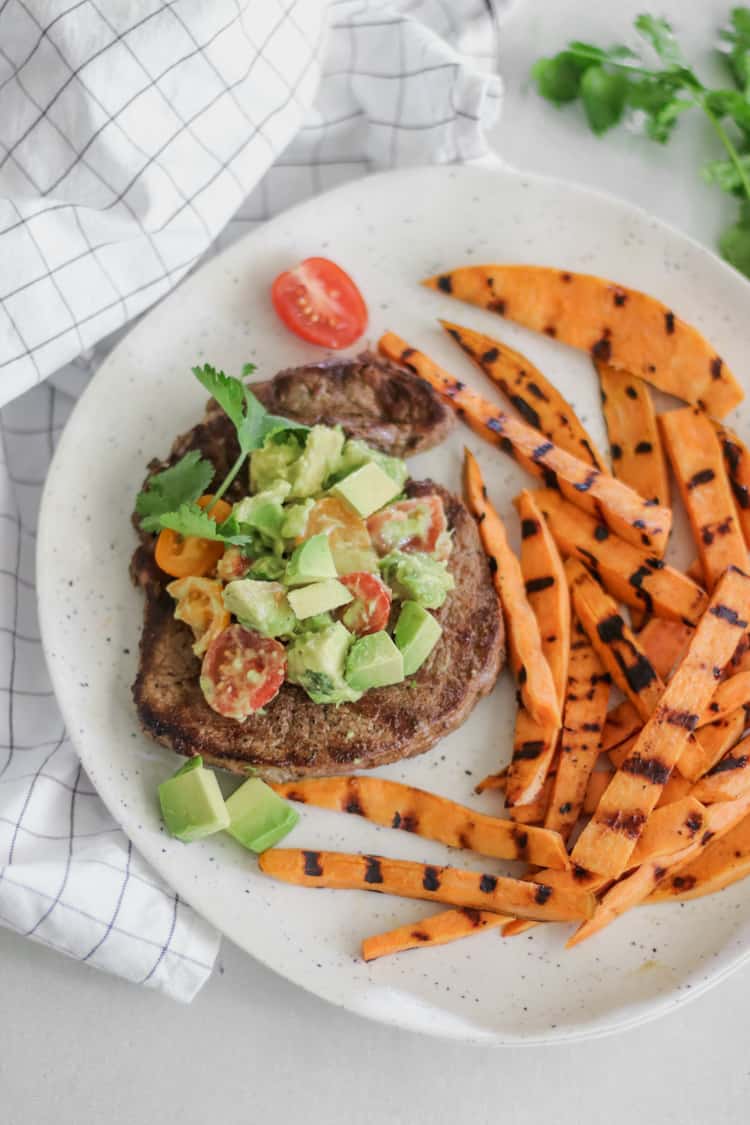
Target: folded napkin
x=135, y=139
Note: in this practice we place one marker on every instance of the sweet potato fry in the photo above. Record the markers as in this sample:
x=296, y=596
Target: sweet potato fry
x=536, y=399
x=625, y=512
x=729, y=778
x=737, y=465
x=580, y=742
x=621, y=326
x=534, y=749
x=634, y=440
x=676, y=788
x=546, y=589
x=414, y=810
x=693, y=761
x=723, y=862
x=597, y=783
x=623, y=722
x=493, y=781
x=730, y=694
x=480, y=891
x=614, y=643
x=529, y=663
x=438, y=929
x=718, y=819
x=607, y=841
x=633, y=576
x=664, y=642
x=698, y=465
x=669, y=829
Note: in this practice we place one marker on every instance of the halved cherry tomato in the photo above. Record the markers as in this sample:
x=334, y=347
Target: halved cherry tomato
x=320, y=303
x=200, y=605
x=409, y=525
x=347, y=534
x=371, y=608
x=182, y=557
x=232, y=565
x=241, y=672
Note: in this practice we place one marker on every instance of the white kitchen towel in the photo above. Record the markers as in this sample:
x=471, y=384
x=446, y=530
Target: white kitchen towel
x=136, y=137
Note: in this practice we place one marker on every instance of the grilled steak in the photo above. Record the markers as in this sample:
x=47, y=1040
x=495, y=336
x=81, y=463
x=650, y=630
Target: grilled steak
x=296, y=737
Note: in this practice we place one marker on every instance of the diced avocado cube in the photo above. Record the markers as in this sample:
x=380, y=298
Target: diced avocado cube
x=259, y=818
x=262, y=606
x=316, y=662
x=312, y=561
x=319, y=459
x=356, y=453
x=374, y=661
x=276, y=460
x=191, y=803
x=295, y=519
x=417, y=632
x=320, y=597
x=267, y=568
x=367, y=489
x=417, y=577
x=264, y=512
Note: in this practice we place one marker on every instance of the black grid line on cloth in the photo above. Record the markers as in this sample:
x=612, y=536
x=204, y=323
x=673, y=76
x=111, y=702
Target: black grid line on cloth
x=13, y=654
x=60, y=836
x=29, y=794
x=17, y=68
x=167, y=943
x=66, y=873
x=118, y=906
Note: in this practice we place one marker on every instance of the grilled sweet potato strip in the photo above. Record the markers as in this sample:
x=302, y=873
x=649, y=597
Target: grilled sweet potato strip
x=730, y=694
x=634, y=441
x=414, y=810
x=529, y=663
x=480, y=891
x=696, y=457
x=718, y=820
x=621, y=326
x=623, y=722
x=595, y=786
x=664, y=642
x=669, y=829
x=710, y=743
x=536, y=399
x=534, y=749
x=546, y=589
x=625, y=512
x=607, y=841
x=493, y=781
x=438, y=929
x=693, y=761
x=580, y=742
x=633, y=576
x=723, y=862
x=737, y=464
x=614, y=643
x=676, y=788
x=729, y=778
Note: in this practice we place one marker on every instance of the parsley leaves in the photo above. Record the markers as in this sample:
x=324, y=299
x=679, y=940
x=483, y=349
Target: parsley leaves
x=176, y=486
x=617, y=84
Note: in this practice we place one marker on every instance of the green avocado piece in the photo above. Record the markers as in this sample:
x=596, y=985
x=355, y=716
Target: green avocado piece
x=267, y=568
x=262, y=606
x=416, y=633
x=356, y=453
x=275, y=460
x=259, y=818
x=312, y=561
x=191, y=803
x=316, y=661
x=320, y=597
x=295, y=519
x=417, y=577
x=264, y=512
x=374, y=661
x=318, y=461
x=367, y=489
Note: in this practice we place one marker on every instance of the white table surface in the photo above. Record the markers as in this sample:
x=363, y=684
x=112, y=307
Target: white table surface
x=79, y=1047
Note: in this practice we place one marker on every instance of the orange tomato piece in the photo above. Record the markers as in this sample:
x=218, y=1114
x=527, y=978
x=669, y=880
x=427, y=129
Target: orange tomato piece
x=187, y=556
x=200, y=605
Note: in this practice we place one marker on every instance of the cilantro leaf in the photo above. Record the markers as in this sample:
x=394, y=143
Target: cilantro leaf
x=248, y=369
x=180, y=484
x=558, y=79
x=228, y=391
x=735, y=43
x=661, y=37
x=189, y=519
x=660, y=102
x=726, y=174
x=604, y=94
x=735, y=243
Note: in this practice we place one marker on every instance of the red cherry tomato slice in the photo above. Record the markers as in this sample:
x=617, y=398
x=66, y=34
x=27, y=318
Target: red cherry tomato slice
x=241, y=672
x=409, y=525
x=320, y=303
x=371, y=608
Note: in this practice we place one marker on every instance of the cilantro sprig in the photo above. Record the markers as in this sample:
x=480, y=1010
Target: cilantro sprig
x=617, y=83
x=169, y=500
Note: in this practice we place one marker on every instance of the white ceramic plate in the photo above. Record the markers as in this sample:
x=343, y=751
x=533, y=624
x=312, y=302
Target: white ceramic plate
x=388, y=231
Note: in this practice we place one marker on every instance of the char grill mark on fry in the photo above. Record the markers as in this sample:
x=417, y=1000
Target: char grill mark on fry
x=722, y=862
x=601, y=847
x=439, y=929
x=627, y=328
x=637, y=454
x=696, y=455
x=536, y=399
x=474, y=889
x=631, y=574
x=626, y=513
x=737, y=465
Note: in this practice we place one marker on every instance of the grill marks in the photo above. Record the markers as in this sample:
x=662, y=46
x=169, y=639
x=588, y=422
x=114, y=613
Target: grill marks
x=728, y=778
x=536, y=399
x=438, y=929
x=634, y=440
x=698, y=462
x=408, y=809
x=737, y=465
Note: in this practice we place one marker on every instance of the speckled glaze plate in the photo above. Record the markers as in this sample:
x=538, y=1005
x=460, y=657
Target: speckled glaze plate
x=388, y=231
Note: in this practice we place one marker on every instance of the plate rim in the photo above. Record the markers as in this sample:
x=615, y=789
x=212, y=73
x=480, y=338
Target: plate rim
x=645, y=1010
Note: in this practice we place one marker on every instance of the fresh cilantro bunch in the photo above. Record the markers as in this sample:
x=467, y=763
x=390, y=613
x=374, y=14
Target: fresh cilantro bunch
x=616, y=81
x=169, y=500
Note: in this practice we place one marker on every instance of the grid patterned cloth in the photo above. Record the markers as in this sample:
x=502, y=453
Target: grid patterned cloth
x=137, y=137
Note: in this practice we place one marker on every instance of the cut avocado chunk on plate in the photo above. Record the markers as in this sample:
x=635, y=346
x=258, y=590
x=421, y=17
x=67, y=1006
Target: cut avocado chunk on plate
x=259, y=818
x=312, y=561
x=417, y=632
x=320, y=597
x=374, y=661
x=191, y=803
x=367, y=489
